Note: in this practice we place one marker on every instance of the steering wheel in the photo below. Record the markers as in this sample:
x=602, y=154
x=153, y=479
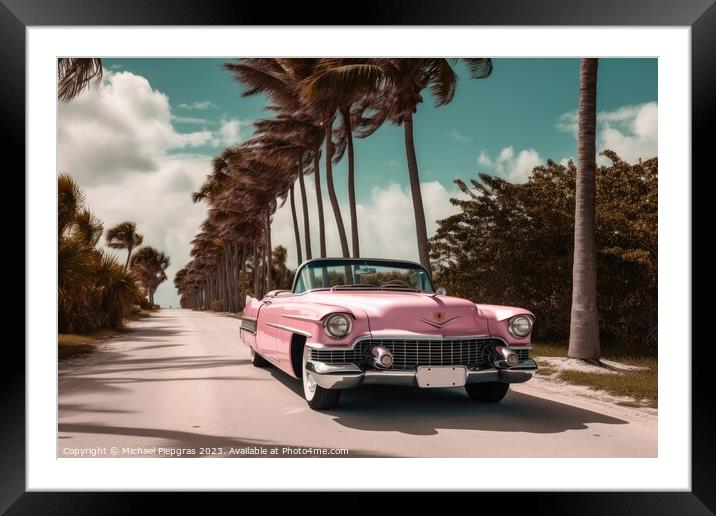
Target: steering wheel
x=395, y=283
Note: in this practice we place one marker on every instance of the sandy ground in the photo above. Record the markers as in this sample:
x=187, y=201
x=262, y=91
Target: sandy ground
x=572, y=364
x=181, y=382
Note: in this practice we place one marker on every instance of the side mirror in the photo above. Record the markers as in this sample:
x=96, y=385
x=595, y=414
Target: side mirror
x=441, y=291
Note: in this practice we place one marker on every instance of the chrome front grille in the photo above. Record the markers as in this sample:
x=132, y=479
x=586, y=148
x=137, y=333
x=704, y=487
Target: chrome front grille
x=522, y=354
x=408, y=354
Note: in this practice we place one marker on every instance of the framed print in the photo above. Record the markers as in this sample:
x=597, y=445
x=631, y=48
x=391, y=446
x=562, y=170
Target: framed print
x=317, y=266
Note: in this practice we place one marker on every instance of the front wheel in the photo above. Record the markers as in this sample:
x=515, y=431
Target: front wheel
x=316, y=396
x=490, y=392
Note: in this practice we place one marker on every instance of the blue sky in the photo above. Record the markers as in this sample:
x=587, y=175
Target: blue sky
x=142, y=140
x=518, y=105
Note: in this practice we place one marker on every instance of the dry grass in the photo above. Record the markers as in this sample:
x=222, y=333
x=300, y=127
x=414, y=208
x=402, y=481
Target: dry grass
x=642, y=386
x=71, y=345
x=142, y=314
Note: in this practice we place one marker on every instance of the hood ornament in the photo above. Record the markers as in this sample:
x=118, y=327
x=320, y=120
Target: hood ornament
x=439, y=320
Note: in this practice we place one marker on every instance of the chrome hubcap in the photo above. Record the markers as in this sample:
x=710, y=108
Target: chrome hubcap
x=310, y=382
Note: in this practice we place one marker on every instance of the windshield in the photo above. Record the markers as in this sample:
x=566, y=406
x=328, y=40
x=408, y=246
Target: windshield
x=362, y=274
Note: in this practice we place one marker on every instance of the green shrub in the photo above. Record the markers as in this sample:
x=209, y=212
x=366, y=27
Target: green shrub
x=512, y=244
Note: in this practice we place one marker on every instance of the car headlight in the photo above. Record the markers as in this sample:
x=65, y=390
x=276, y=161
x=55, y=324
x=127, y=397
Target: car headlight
x=337, y=326
x=520, y=326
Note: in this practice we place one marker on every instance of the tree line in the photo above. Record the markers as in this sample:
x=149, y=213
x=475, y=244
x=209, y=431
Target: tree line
x=513, y=243
x=320, y=106
x=95, y=290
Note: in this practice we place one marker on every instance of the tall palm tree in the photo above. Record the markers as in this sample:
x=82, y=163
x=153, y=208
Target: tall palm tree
x=280, y=80
x=408, y=77
x=584, y=322
x=124, y=236
x=75, y=74
x=332, y=88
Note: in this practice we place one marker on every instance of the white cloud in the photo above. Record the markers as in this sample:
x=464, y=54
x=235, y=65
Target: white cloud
x=386, y=223
x=199, y=104
x=484, y=160
x=114, y=140
x=515, y=168
x=567, y=122
x=117, y=127
x=458, y=137
x=229, y=133
x=160, y=203
x=189, y=120
x=630, y=131
x=195, y=139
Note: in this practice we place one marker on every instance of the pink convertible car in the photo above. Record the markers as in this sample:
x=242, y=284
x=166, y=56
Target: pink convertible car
x=349, y=322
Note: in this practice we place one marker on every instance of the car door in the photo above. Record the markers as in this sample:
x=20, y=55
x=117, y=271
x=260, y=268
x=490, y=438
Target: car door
x=266, y=330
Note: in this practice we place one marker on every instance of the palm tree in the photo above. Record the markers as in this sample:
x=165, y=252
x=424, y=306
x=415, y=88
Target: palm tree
x=151, y=266
x=408, y=77
x=332, y=88
x=297, y=135
x=94, y=290
x=584, y=322
x=75, y=74
x=124, y=236
x=280, y=79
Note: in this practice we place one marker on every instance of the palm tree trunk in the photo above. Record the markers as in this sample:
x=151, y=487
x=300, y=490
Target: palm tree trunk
x=220, y=283
x=296, y=232
x=351, y=182
x=584, y=322
x=256, y=271
x=229, y=305
x=129, y=255
x=319, y=202
x=420, y=228
x=268, y=251
x=242, y=277
x=332, y=190
x=304, y=206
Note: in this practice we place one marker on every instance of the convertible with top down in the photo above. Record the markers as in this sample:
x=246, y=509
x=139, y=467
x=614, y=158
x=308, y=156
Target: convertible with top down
x=348, y=322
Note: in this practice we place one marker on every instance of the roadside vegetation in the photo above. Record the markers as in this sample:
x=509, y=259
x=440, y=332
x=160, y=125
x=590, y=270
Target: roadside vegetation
x=639, y=384
x=511, y=244
x=97, y=293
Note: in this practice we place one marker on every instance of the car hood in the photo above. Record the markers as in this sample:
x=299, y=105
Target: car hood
x=408, y=313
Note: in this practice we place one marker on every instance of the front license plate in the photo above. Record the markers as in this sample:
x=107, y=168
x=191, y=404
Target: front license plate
x=441, y=376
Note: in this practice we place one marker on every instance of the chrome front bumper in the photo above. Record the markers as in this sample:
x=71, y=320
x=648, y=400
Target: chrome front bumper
x=346, y=376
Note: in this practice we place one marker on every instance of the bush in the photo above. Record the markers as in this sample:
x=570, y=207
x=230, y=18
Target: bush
x=216, y=306
x=94, y=290
x=512, y=244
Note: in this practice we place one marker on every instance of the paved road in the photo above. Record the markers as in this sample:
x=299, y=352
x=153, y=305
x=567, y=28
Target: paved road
x=182, y=380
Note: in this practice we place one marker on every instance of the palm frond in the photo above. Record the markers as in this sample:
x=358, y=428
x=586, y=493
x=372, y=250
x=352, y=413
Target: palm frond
x=75, y=74
x=70, y=199
x=338, y=83
x=480, y=67
x=441, y=79
x=87, y=227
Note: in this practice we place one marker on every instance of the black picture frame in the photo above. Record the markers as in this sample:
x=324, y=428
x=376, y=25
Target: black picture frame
x=700, y=15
